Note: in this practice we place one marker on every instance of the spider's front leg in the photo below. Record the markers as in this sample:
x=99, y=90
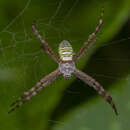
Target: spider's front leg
x=91, y=82
x=45, y=45
x=33, y=91
x=90, y=39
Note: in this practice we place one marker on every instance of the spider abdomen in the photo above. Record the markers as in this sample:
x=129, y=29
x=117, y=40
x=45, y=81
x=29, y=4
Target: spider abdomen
x=67, y=69
x=65, y=51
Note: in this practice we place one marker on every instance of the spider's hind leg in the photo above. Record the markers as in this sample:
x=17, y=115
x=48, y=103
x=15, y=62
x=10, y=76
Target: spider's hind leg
x=90, y=39
x=45, y=45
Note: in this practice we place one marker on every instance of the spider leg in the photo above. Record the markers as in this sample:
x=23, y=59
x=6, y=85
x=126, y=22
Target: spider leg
x=91, y=82
x=90, y=46
x=45, y=45
x=90, y=39
x=33, y=91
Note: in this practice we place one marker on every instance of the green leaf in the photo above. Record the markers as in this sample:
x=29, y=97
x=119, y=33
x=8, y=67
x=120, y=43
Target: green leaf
x=96, y=114
x=23, y=63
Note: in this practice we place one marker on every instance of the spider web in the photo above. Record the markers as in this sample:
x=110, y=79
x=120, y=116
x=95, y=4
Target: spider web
x=19, y=48
x=18, y=37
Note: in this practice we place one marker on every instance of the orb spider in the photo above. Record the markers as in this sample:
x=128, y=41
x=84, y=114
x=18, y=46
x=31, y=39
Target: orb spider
x=66, y=67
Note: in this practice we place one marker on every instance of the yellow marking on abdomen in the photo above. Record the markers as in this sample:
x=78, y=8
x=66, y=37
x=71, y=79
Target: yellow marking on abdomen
x=66, y=55
x=65, y=51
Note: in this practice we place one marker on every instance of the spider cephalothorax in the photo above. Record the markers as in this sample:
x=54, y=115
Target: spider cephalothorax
x=66, y=68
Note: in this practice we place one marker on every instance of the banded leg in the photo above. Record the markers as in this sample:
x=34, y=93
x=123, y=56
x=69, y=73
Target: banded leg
x=90, y=39
x=91, y=82
x=33, y=91
x=45, y=45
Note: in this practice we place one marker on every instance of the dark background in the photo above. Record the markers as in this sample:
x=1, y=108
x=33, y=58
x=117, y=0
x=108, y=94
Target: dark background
x=65, y=104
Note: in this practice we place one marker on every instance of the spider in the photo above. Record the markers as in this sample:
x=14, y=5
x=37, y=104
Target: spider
x=66, y=67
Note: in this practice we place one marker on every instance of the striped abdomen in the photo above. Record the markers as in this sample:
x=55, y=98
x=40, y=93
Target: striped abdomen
x=65, y=51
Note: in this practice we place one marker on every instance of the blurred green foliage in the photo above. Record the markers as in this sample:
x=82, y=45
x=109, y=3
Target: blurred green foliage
x=23, y=63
